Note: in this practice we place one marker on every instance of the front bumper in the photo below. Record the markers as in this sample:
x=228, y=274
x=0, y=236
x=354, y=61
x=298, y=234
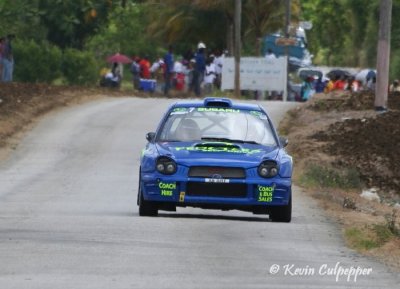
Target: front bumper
x=225, y=192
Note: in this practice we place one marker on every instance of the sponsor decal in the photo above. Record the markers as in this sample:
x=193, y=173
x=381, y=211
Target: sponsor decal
x=184, y=110
x=217, y=109
x=180, y=110
x=219, y=149
x=182, y=197
x=258, y=114
x=167, y=189
x=265, y=193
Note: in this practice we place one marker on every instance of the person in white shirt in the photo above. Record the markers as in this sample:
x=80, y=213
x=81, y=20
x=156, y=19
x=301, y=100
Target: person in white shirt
x=113, y=77
x=179, y=76
x=218, y=62
x=157, y=73
x=270, y=54
x=178, y=66
x=209, y=77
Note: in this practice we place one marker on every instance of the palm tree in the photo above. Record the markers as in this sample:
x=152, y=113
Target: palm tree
x=190, y=20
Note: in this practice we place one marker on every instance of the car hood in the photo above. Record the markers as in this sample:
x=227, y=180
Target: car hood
x=217, y=153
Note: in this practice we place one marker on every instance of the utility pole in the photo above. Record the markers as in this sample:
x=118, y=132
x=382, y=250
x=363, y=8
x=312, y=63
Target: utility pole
x=288, y=15
x=287, y=35
x=238, y=13
x=383, y=57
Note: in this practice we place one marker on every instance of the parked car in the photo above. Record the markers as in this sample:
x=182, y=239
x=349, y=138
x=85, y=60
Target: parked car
x=216, y=154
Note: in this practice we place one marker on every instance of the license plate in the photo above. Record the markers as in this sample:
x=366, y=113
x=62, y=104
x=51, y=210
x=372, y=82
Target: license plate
x=217, y=181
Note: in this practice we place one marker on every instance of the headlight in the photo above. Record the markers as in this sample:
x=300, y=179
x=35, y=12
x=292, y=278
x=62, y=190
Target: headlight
x=166, y=165
x=268, y=169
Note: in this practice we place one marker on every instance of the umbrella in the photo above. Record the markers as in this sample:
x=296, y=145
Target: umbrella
x=365, y=74
x=337, y=73
x=119, y=58
x=304, y=74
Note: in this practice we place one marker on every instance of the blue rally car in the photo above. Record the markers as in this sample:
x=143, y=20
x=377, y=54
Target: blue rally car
x=216, y=154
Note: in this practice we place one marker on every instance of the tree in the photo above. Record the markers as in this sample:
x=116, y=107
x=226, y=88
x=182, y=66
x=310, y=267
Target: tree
x=184, y=23
x=262, y=17
x=21, y=18
x=330, y=27
x=70, y=22
x=126, y=32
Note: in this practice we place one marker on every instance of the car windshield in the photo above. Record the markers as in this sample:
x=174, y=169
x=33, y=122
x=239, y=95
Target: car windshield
x=217, y=124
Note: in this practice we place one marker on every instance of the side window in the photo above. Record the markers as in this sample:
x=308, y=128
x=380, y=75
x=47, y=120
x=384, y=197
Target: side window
x=259, y=131
x=174, y=125
x=169, y=128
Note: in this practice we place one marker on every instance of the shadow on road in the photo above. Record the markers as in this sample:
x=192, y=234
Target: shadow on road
x=215, y=217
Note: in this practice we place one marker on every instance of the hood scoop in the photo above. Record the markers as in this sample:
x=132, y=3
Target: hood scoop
x=217, y=145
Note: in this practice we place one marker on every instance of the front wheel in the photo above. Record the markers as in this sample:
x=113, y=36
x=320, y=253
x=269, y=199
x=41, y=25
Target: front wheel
x=282, y=214
x=146, y=208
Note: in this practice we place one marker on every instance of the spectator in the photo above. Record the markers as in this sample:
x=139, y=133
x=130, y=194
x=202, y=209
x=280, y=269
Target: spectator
x=218, y=62
x=270, y=54
x=209, y=76
x=329, y=86
x=113, y=77
x=352, y=84
x=340, y=83
x=199, y=68
x=169, y=70
x=156, y=67
x=189, y=74
x=369, y=77
x=395, y=87
x=8, y=59
x=371, y=84
x=145, y=67
x=157, y=72
x=135, y=70
x=319, y=85
x=307, y=89
x=2, y=43
x=179, y=76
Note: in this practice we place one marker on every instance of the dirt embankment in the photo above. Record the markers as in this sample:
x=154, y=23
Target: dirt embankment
x=359, y=138
x=22, y=103
x=340, y=132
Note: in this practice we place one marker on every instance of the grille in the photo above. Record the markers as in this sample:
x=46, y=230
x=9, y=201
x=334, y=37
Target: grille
x=216, y=190
x=221, y=172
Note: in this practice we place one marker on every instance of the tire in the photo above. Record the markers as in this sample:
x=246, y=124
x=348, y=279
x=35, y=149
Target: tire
x=146, y=208
x=282, y=214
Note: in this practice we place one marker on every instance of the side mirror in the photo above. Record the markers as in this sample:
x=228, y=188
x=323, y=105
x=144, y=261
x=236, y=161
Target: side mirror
x=284, y=141
x=150, y=136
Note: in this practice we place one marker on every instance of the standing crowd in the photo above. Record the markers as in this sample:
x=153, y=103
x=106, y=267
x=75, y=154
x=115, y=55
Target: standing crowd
x=193, y=72
x=342, y=82
x=6, y=58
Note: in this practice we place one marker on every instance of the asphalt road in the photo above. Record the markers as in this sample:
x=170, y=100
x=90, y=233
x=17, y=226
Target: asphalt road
x=68, y=219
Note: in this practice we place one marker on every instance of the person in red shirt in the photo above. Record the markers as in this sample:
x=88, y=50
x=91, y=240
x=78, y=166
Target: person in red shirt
x=340, y=83
x=145, y=68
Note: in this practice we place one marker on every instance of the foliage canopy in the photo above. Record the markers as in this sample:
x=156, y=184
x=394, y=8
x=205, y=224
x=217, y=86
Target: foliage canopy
x=344, y=32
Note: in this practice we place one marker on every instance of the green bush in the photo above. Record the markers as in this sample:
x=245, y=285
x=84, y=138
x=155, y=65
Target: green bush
x=36, y=62
x=80, y=67
x=360, y=239
x=395, y=65
x=326, y=177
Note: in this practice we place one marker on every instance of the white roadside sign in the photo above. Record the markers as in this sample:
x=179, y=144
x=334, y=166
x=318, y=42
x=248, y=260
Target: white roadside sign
x=256, y=73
